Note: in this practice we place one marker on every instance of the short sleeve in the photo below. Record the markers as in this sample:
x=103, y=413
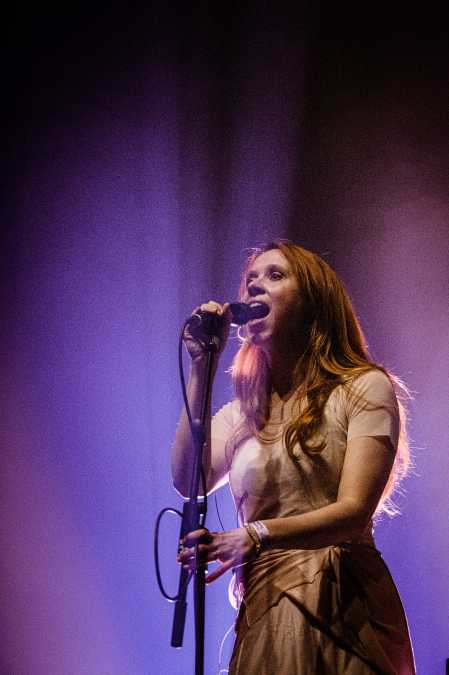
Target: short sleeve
x=372, y=407
x=225, y=421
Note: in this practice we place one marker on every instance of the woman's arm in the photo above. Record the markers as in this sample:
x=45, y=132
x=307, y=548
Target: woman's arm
x=214, y=456
x=182, y=449
x=367, y=466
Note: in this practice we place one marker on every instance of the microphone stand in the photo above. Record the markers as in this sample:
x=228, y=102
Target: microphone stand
x=193, y=518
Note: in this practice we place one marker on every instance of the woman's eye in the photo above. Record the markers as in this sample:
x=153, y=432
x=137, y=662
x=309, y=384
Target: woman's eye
x=276, y=275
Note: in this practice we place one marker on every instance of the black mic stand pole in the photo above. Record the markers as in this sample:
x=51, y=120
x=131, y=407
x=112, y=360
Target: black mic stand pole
x=193, y=518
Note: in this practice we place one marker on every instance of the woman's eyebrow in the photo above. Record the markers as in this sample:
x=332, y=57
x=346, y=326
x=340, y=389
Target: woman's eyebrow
x=272, y=267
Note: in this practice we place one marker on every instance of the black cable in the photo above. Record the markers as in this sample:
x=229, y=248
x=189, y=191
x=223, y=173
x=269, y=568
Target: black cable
x=170, y=598
x=218, y=512
x=189, y=413
x=189, y=416
x=181, y=375
x=173, y=598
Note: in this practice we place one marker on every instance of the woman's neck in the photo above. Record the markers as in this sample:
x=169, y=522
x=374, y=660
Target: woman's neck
x=284, y=373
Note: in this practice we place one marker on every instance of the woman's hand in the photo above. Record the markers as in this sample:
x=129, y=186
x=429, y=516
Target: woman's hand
x=231, y=548
x=193, y=336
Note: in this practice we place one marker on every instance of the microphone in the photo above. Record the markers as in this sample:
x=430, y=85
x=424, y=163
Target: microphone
x=242, y=313
x=206, y=323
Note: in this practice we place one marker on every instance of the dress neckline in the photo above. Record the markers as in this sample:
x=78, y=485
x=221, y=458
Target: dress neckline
x=281, y=409
x=279, y=399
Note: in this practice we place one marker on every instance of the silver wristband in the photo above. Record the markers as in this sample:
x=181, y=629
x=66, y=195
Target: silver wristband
x=259, y=534
x=262, y=532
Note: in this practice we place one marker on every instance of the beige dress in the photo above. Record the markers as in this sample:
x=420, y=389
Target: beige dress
x=331, y=610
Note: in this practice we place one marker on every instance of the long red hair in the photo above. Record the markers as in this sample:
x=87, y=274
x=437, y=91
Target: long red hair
x=335, y=353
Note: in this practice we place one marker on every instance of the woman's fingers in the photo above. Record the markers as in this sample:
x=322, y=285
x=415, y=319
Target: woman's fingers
x=201, y=547
x=211, y=306
x=196, y=548
x=209, y=318
x=202, y=552
x=192, y=559
x=200, y=536
x=219, y=571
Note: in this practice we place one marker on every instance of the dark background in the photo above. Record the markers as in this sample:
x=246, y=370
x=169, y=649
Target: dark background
x=146, y=147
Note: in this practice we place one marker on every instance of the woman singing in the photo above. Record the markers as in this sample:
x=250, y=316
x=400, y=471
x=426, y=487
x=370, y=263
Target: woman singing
x=312, y=447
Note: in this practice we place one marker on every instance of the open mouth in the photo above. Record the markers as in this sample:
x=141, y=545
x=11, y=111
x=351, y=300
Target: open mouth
x=259, y=310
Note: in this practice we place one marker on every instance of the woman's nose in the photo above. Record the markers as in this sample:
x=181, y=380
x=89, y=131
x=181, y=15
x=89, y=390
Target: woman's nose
x=255, y=288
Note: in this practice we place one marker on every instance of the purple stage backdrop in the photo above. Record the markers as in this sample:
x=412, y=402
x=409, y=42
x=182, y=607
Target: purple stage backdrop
x=148, y=149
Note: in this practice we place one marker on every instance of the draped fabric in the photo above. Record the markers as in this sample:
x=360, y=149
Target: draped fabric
x=339, y=610
x=347, y=607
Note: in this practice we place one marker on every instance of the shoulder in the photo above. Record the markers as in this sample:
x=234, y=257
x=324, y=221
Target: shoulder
x=373, y=386
x=227, y=418
x=372, y=407
x=230, y=410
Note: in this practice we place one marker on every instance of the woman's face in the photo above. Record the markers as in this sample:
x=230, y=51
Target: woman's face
x=270, y=280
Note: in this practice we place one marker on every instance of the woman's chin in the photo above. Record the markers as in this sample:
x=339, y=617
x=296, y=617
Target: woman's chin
x=259, y=337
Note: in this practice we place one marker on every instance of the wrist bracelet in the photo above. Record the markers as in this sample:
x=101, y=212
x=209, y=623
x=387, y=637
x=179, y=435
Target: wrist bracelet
x=254, y=536
x=259, y=534
x=262, y=532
